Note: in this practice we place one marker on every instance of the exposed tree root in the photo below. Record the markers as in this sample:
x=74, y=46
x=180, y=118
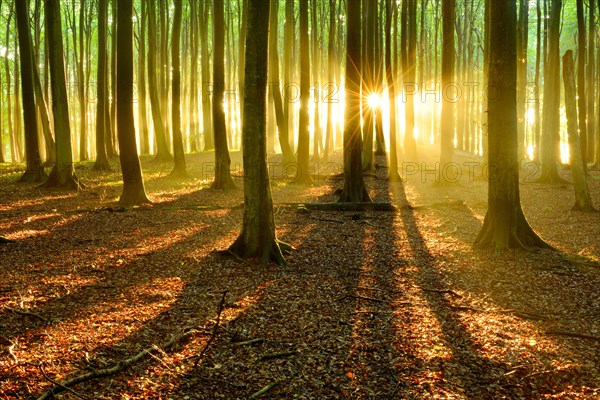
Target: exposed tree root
x=25, y=313
x=69, y=181
x=35, y=176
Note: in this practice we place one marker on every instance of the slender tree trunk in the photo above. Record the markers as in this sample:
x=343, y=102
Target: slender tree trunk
x=550, y=152
x=354, y=190
x=303, y=166
x=410, y=144
x=112, y=139
x=133, y=182
x=35, y=170
x=288, y=65
x=258, y=237
x=318, y=134
x=369, y=89
x=538, y=59
x=141, y=83
x=504, y=225
x=591, y=84
x=331, y=57
x=581, y=88
x=101, y=93
x=207, y=123
x=223, y=179
x=63, y=172
x=394, y=175
x=179, y=169
x=583, y=201
x=448, y=62
x=282, y=126
x=522, y=42
x=162, y=154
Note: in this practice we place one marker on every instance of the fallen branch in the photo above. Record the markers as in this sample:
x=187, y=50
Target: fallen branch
x=572, y=334
x=272, y=356
x=27, y=313
x=4, y=240
x=441, y=291
x=215, y=329
x=264, y=390
x=247, y=342
x=124, y=364
x=39, y=366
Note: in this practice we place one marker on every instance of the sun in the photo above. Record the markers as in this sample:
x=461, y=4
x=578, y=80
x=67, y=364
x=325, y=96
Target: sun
x=374, y=100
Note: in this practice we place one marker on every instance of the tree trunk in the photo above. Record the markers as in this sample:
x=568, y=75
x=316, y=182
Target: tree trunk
x=331, y=57
x=133, y=182
x=581, y=88
x=257, y=238
x=536, y=87
x=63, y=172
x=369, y=91
x=504, y=225
x=550, y=152
x=393, y=175
x=303, y=166
x=162, y=153
x=207, y=124
x=448, y=61
x=410, y=144
x=583, y=201
x=354, y=190
x=522, y=42
x=35, y=170
x=282, y=125
x=318, y=134
x=141, y=83
x=179, y=169
x=223, y=179
x=591, y=84
x=101, y=104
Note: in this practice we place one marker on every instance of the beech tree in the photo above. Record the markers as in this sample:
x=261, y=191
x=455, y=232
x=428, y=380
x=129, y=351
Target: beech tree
x=35, y=170
x=354, y=186
x=448, y=60
x=257, y=238
x=102, y=106
x=179, y=169
x=504, y=225
x=223, y=179
x=63, y=172
x=133, y=182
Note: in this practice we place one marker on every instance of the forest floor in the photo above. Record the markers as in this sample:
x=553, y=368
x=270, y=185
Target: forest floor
x=371, y=305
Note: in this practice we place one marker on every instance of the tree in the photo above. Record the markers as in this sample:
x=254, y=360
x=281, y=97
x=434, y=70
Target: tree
x=35, y=170
x=162, y=154
x=223, y=179
x=102, y=128
x=303, y=176
x=522, y=42
x=63, y=172
x=448, y=61
x=133, y=182
x=354, y=186
x=581, y=87
x=282, y=125
x=550, y=152
x=369, y=89
x=504, y=225
x=207, y=124
x=409, y=71
x=179, y=169
x=257, y=238
x=591, y=84
x=583, y=201
x=389, y=71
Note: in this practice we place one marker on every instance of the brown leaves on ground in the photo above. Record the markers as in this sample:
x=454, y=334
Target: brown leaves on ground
x=371, y=305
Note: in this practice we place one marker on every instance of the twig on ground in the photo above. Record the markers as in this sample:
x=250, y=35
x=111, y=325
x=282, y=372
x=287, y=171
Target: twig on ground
x=22, y=312
x=12, y=354
x=58, y=384
x=215, y=329
x=264, y=390
x=247, y=342
x=354, y=296
x=441, y=291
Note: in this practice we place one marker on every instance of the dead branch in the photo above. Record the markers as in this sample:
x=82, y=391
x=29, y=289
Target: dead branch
x=215, y=329
x=28, y=313
x=329, y=220
x=247, y=342
x=58, y=384
x=572, y=334
x=264, y=390
x=441, y=291
x=354, y=296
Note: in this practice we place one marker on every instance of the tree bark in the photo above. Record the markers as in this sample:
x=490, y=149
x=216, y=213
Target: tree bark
x=35, y=170
x=583, y=201
x=354, y=190
x=207, y=123
x=393, y=175
x=101, y=163
x=581, y=88
x=448, y=61
x=504, y=225
x=133, y=182
x=179, y=169
x=257, y=238
x=303, y=176
x=63, y=172
x=223, y=179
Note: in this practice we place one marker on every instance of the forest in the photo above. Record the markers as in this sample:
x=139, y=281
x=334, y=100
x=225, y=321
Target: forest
x=312, y=199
